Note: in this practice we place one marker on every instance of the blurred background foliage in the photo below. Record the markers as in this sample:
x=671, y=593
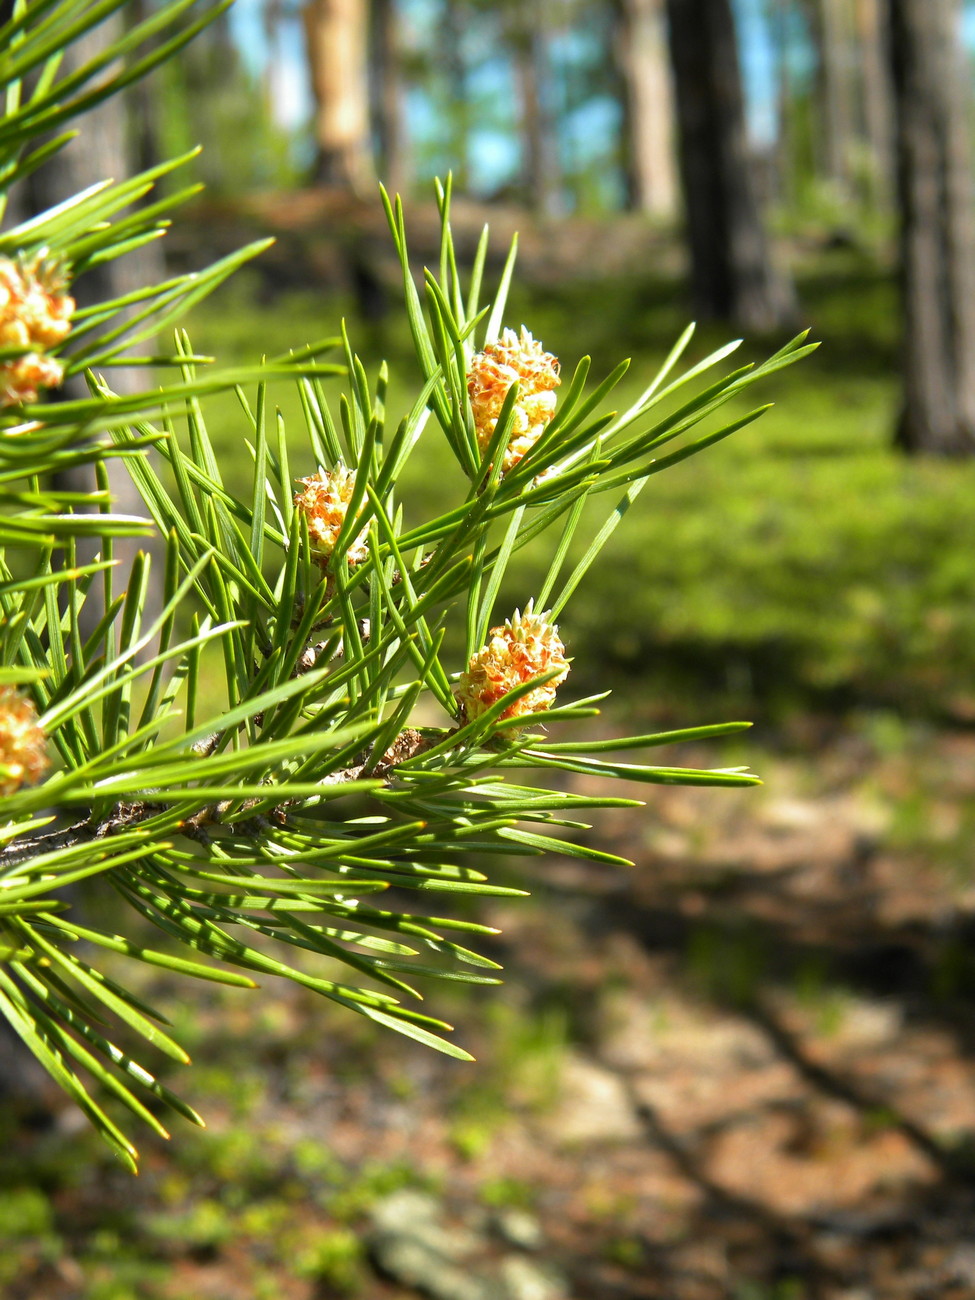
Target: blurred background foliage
x=844, y=568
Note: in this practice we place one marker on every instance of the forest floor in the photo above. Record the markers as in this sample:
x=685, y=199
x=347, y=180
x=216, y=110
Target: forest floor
x=744, y=1069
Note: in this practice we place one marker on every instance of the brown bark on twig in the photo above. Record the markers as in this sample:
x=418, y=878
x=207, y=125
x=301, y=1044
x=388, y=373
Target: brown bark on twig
x=125, y=816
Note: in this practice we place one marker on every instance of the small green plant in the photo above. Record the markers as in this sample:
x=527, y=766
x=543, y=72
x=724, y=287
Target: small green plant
x=507, y=1194
x=358, y=1191
x=626, y=1251
x=329, y=702
x=24, y=1212
x=334, y=1258
x=27, y=1229
x=203, y=1225
x=788, y=1289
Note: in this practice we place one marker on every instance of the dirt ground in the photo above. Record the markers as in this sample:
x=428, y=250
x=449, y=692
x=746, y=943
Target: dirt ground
x=744, y=1069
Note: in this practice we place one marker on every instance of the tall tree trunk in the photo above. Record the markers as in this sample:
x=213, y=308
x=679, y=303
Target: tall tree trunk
x=876, y=99
x=387, y=94
x=732, y=274
x=786, y=157
x=934, y=181
x=540, y=180
x=458, y=92
x=648, y=99
x=277, y=71
x=836, y=93
x=105, y=149
x=336, y=40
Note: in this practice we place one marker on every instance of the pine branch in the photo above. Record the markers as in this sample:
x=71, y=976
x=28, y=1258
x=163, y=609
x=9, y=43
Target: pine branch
x=249, y=765
x=126, y=816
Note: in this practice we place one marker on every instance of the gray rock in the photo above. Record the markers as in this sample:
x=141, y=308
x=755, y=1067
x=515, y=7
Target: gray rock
x=410, y=1243
x=593, y=1106
x=518, y=1228
x=959, y=1267
x=525, y=1279
x=417, y=1264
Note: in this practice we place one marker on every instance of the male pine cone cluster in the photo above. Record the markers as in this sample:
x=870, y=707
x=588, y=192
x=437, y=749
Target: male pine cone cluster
x=35, y=316
x=325, y=503
x=520, y=360
x=525, y=647
x=23, y=746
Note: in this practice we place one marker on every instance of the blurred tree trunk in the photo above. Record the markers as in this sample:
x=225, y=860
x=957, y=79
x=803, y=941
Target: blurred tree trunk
x=785, y=144
x=541, y=179
x=732, y=273
x=336, y=43
x=106, y=148
x=877, y=107
x=854, y=98
x=387, y=94
x=141, y=114
x=934, y=181
x=648, y=103
x=458, y=91
x=111, y=140
x=835, y=51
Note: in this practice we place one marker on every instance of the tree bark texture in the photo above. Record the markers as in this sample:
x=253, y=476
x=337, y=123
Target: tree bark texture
x=732, y=273
x=648, y=98
x=937, y=234
x=337, y=41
